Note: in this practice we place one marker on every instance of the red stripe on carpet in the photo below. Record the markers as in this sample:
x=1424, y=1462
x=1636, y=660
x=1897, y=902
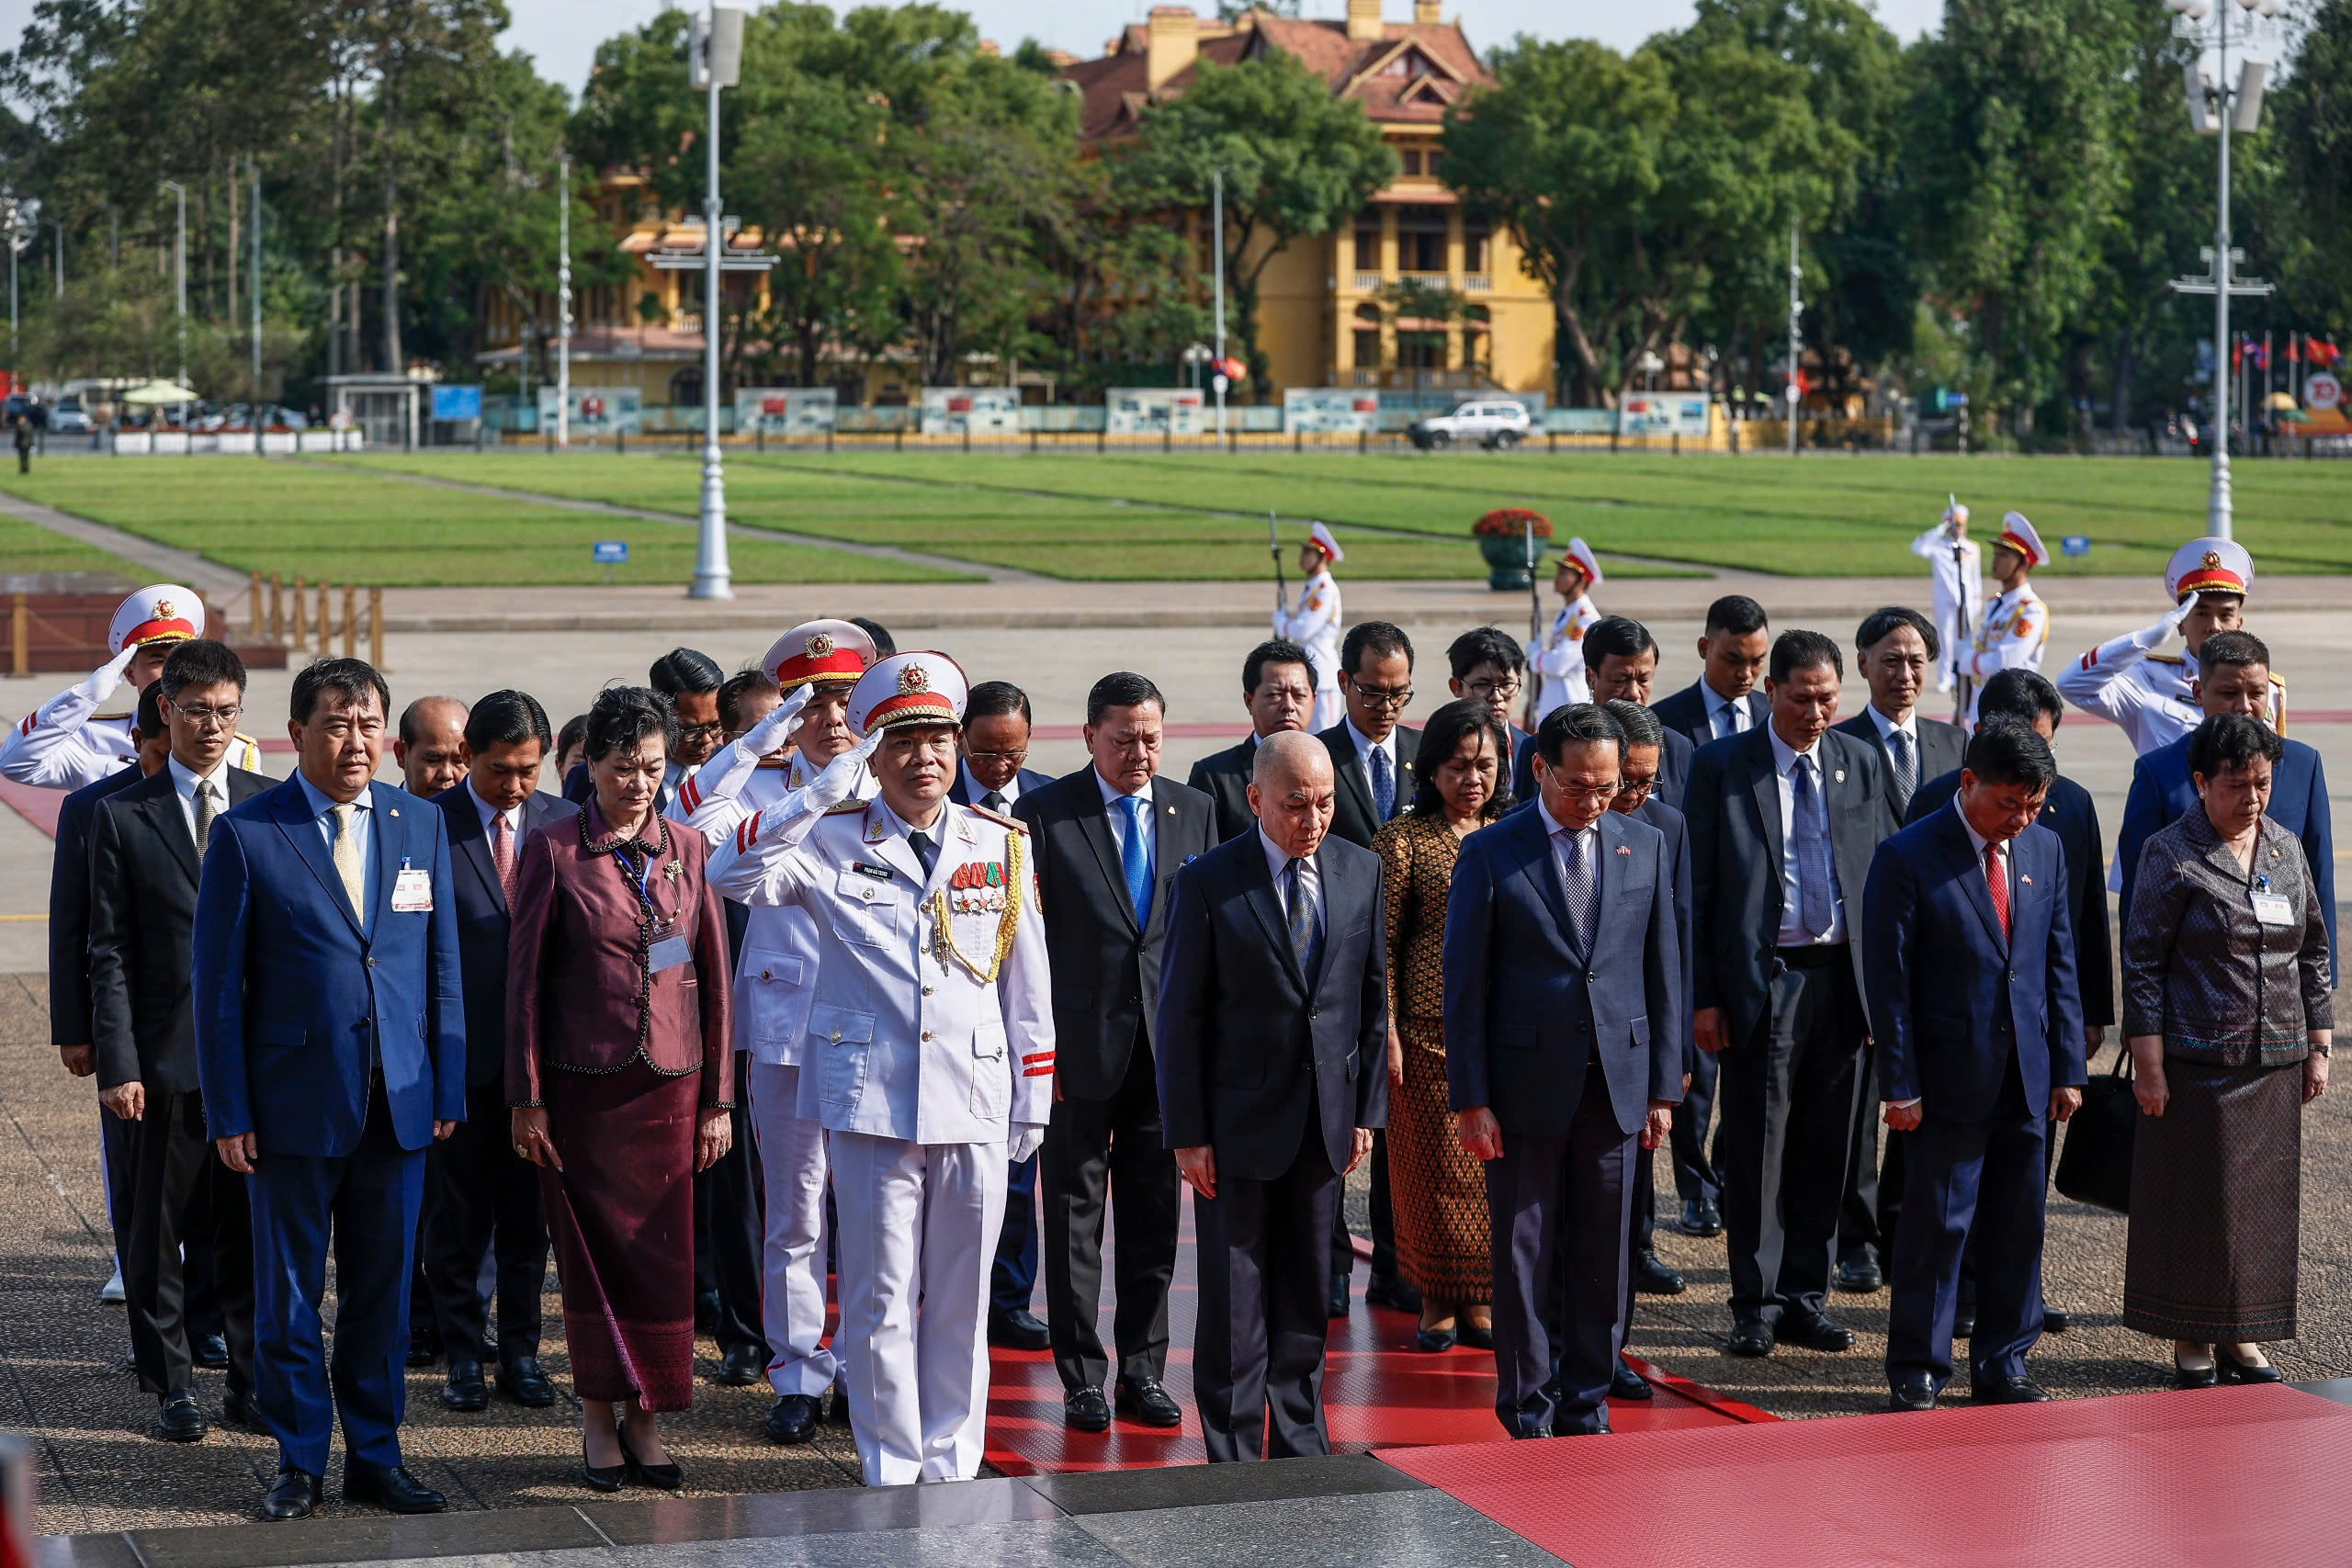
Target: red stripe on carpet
x=38, y=807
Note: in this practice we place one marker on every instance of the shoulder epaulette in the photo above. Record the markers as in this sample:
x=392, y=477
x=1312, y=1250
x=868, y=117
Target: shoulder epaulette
x=845, y=807
x=2278, y=679
x=1012, y=822
x=2166, y=658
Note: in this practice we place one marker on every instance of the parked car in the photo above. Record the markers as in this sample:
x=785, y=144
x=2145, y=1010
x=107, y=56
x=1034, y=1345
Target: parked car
x=30, y=407
x=69, y=418
x=1497, y=423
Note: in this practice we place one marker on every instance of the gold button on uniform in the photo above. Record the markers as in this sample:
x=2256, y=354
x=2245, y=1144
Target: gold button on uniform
x=926, y=1034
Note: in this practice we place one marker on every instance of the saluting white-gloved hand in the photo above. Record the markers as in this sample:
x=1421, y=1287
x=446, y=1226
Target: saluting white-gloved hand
x=1026, y=1138
x=2166, y=629
x=107, y=676
x=839, y=780
x=770, y=732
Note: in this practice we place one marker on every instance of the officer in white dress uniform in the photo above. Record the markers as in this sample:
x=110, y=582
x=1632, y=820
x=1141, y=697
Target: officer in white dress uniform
x=2151, y=695
x=65, y=743
x=930, y=1053
x=2015, y=627
x=1956, y=568
x=815, y=665
x=1314, y=624
x=1556, y=663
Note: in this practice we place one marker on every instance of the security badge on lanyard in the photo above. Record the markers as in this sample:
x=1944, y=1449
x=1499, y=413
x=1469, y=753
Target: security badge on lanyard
x=2272, y=909
x=666, y=947
x=411, y=890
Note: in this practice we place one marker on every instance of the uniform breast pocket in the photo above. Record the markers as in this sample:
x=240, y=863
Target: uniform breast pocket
x=991, y=1079
x=772, y=984
x=867, y=912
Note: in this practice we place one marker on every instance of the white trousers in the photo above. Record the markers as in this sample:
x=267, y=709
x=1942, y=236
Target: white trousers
x=792, y=1294
x=1329, y=707
x=919, y=1224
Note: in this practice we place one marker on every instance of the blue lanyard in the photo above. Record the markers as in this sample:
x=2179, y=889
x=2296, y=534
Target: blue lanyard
x=644, y=895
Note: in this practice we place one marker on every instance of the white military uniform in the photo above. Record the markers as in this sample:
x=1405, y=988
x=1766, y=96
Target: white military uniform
x=2012, y=636
x=1959, y=589
x=2151, y=695
x=1557, y=662
x=930, y=1038
x=775, y=979
x=1314, y=625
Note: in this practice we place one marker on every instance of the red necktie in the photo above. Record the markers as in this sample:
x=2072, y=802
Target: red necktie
x=1997, y=884
x=502, y=855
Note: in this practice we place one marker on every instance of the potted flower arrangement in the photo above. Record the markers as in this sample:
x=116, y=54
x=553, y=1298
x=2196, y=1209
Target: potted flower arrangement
x=1502, y=538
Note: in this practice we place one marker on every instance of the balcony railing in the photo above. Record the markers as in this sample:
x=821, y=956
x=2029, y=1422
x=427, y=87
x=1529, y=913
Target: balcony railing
x=1367, y=283
x=1477, y=283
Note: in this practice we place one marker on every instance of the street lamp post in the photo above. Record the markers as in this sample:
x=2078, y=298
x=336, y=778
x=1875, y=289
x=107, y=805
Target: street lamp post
x=564, y=303
x=718, y=61
x=1217, y=244
x=1796, y=317
x=2218, y=105
x=180, y=252
x=57, y=264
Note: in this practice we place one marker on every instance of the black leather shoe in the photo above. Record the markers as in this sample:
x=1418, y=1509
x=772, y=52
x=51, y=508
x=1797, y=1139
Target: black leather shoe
x=1652, y=1277
x=742, y=1366
x=705, y=1312
x=2195, y=1377
x=1470, y=1334
x=392, y=1488
x=1434, y=1341
x=600, y=1478
x=465, y=1389
x=293, y=1497
x=2232, y=1370
x=424, y=1346
x=1145, y=1401
x=1337, y=1305
x=178, y=1419
x=210, y=1351
x=1534, y=1432
x=2019, y=1390
x=1750, y=1336
x=838, y=1411
x=1701, y=1217
x=660, y=1477
x=1401, y=1295
x=1860, y=1275
x=1624, y=1382
x=1963, y=1323
x=792, y=1418
x=521, y=1381
x=1912, y=1394
x=2055, y=1320
x=1018, y=1330
x=1815, y=1332
x=240, y=1413
x=1085, y=1410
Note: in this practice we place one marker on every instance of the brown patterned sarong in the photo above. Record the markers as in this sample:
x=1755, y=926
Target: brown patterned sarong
x=1439, y=1187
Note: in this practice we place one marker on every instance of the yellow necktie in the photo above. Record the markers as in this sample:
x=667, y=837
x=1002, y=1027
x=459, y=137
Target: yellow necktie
x=347, y=864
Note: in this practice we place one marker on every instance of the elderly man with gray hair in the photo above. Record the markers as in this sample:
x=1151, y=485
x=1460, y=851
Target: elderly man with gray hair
x=1272, y=1032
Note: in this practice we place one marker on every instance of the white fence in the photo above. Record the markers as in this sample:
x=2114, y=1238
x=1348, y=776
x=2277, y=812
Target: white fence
x=230, y=442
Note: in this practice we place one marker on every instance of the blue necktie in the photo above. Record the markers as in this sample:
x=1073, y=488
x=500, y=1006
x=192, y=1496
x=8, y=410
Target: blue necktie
x=1134, y=859
x=1816, y=907
x=1583, y=891
x=926, y=852
x=1383, y=784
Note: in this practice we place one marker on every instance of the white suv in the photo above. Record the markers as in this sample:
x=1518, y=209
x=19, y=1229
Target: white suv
x=1497, y=423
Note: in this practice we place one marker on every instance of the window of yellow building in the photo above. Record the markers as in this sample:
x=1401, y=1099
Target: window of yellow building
x=1367, y=335
x=1367, y=240
x=1420, y=239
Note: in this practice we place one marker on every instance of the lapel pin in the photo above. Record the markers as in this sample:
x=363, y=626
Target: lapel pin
x=1841, y=775
x=2026, y=880
x=1624, y=851
x=396, y=810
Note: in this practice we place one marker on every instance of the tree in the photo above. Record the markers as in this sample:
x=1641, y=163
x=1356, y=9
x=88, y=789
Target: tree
x=2311, y=123
x=1298, y=163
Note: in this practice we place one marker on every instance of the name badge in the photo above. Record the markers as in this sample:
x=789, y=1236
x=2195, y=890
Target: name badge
x=2273, y=909
x=412, y=892
x=668, y=952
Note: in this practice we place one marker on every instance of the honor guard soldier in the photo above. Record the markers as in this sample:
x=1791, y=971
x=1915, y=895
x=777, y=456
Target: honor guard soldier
x=2015, y=627
x=1956, y=567
x=929, y=1052
x=2152, y=694
x=1314, y=624
x=1556, y=663
x=66, y=743
x=814, y=665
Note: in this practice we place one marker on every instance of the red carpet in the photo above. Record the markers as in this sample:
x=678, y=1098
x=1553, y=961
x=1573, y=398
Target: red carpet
x=2226, y=1477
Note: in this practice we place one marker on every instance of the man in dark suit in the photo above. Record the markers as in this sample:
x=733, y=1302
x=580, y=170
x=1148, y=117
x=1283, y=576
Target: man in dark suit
x=330, y=1037
x=1371, y=766
x=1783, y=821
x=994, y=742
x=1894, y=653
x=480, y=1188
x=2232, y=676
x=1563, y=1032
x=1724, y=700
x=1620, y=665
x=146, y=844
x=1278, y=691
x=1108, y=840
x=1273, y=1036
x=1969, y=960
x=2068, y=811
x=69, y=961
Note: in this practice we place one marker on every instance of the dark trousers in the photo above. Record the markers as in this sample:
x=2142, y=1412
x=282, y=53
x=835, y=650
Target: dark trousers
x=1893, y=1171
x=1258, y=1347
x=1859, y=1232
x=1013, y=1282
x=1972, y=1189
x=1695, y=1176
x=115, y=1144
x=1557, y=1213
x=1382, y=1218
x=479, y=1188
x=1091, y=1144
x=1787, y=1098
x=729, y=1228
x=184, y=1205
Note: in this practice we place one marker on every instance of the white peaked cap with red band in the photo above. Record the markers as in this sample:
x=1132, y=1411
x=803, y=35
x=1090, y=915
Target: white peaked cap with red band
x=2211, y=564
x=161, y=612
x=828, y=653
x=1579, y=555
x=909, y=688
x=2019, y=535
x=1320, y=538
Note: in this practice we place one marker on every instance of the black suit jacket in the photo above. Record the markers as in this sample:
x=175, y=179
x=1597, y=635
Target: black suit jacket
x=1685, y=713
x=483, y=920
x=1673, y=769
x=69, y=909
x=1941, y=747
x=1242, y=1036
x=1028, y=779
x=1734, y=812
x=1224, y=777
x=1351, y=817
x=1107, y=971
x=2073, y=815
x=143, y=875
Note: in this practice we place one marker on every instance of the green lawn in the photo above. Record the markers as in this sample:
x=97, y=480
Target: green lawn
x=30, y=547
x=369, y=528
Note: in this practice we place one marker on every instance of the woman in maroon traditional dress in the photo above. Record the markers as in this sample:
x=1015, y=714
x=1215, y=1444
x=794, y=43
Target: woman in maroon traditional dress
x=618, y=1069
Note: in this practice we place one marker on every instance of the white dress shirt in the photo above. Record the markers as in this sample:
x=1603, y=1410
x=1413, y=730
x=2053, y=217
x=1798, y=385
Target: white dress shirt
x=1716, y=704
x=1886, y=727
x=1792, y=932
x=486, y=811
x=1310, y=880
x=1118, y=814
x=183, y=783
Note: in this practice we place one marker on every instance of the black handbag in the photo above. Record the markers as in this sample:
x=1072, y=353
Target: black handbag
x=2095, y=1167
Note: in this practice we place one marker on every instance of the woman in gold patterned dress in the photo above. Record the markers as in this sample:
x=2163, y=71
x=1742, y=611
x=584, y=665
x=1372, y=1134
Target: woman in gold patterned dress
x=1438, y=1189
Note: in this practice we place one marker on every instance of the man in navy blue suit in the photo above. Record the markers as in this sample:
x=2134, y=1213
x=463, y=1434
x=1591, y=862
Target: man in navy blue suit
x=2232, y=676
x=1564, y=1029
x=1968, y=963
x=331, y=1044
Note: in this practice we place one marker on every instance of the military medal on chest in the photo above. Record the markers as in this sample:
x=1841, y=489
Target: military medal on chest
x=977, y=911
